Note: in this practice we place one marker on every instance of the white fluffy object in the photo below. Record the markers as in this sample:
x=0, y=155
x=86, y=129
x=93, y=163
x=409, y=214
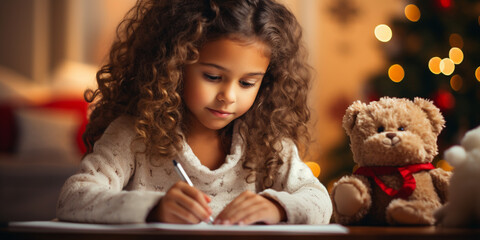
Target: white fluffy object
x=463, y=207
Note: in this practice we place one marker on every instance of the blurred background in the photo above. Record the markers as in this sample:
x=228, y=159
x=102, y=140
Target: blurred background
x=50, y=51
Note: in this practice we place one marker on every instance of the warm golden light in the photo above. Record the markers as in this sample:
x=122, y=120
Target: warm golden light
x=455, y=40
x=412, y=12
x=456, y=55
x=314, y=167
x=447, y=66
x=444, y=165
x=456, y=82
x=434, y=65
x=477, y=74
x=383, y=33
x=396, y=73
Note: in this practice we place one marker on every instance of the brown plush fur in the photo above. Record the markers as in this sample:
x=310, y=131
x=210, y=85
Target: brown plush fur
x=358, y=200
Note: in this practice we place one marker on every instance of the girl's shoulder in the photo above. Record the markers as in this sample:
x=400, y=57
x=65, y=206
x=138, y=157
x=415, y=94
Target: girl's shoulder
x=287, y=145
x=120, y=132
x=123, y=125
x=123, y=120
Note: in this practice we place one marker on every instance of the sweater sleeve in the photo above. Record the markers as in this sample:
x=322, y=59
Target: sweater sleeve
x=95, y=193
x=299, y=192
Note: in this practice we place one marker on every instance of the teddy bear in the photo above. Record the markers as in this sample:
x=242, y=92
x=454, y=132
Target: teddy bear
x=393, y=141
x=463, y=207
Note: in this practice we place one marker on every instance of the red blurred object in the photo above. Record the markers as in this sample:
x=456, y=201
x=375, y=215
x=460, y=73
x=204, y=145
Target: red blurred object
x=78, y=105
x=446, y=3
x=444, y=100
x=9, y=128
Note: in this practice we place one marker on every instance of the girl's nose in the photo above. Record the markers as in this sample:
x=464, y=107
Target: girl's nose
x=227, y=94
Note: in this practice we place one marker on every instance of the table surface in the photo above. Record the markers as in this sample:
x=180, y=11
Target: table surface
x=357, y=233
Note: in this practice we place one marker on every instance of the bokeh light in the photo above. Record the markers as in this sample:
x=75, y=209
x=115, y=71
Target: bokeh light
x=455, y=40
x=446, y=3
x=383, y=33
x=456, y=82
x=412, y=12
x=477, y=74
x=396, y=73
x=444, y=99
x=315, y=168
x=444, y=165
x=447, y=66
x=434, y=65
x=456, y=55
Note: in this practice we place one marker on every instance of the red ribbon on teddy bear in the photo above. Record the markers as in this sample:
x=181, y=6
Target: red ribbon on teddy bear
x=409, y=183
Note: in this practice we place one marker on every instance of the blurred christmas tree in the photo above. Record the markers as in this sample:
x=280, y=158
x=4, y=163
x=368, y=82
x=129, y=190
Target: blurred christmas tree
x=434, y=53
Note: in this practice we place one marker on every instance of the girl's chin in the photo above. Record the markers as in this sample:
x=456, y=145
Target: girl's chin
x=217, y=125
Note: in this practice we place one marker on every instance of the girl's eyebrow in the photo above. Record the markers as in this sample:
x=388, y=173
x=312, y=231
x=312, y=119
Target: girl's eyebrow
x=227, y=70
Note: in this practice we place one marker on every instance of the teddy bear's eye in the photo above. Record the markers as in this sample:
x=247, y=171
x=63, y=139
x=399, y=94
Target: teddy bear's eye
x=401, y=129
x=380, y=129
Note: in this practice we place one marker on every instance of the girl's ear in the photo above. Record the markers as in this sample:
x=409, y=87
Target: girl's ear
x=433, y=114
x=350, y=116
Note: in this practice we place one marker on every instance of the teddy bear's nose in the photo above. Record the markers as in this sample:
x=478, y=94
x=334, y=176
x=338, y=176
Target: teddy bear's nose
x=391, y=135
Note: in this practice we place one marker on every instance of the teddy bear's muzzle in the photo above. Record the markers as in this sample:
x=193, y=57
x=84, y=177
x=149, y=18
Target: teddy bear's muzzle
x=391, y=139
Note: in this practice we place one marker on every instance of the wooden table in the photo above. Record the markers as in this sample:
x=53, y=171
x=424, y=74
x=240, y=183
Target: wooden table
x=357, y=233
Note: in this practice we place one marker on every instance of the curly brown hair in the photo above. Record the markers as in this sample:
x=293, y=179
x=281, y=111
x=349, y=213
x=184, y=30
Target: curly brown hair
x=144, y=75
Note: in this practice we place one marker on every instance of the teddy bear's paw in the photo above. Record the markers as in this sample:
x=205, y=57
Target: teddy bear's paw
x=401, y=212
x=348, y=199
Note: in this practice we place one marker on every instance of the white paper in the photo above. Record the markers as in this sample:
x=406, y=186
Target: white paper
x=54, y=226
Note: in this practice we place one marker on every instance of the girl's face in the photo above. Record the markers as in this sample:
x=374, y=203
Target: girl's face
x=224, y=83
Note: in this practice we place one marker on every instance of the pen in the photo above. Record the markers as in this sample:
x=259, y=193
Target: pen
x=183, y=175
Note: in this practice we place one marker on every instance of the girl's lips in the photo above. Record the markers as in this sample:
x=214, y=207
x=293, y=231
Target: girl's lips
x=218, y=113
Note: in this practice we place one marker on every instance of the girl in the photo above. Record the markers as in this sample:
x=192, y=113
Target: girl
x=219, y=86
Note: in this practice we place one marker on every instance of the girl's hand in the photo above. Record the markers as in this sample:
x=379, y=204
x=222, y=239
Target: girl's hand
x=249, y=208
x=182, y=204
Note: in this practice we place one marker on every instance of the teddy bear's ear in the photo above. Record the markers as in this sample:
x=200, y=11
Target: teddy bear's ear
x=351, y=115
x=433, y=114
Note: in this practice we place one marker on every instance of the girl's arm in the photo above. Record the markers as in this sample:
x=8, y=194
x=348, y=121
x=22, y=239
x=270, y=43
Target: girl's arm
x=304, y=199
x=95, y=193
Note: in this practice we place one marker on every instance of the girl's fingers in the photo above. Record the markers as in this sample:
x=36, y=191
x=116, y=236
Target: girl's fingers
x=250, y=208
x=193, y=207
x=237, y=208
x=186, y=203
x=245, y=210
x=222, y=216
x=196, y=195
x=178, y=214
x=253, y=214
x=207, y=198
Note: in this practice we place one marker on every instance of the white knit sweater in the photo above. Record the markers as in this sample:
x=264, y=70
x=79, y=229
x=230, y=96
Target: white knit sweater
x=115, y=185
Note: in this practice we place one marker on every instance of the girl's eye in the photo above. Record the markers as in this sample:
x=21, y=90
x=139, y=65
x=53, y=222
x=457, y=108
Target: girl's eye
x=246, y=84
x=380, y=129
x=401, y=129
x=211, y=77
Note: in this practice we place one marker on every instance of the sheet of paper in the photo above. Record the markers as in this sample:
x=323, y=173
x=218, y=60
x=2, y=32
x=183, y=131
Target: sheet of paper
x=54, y=226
